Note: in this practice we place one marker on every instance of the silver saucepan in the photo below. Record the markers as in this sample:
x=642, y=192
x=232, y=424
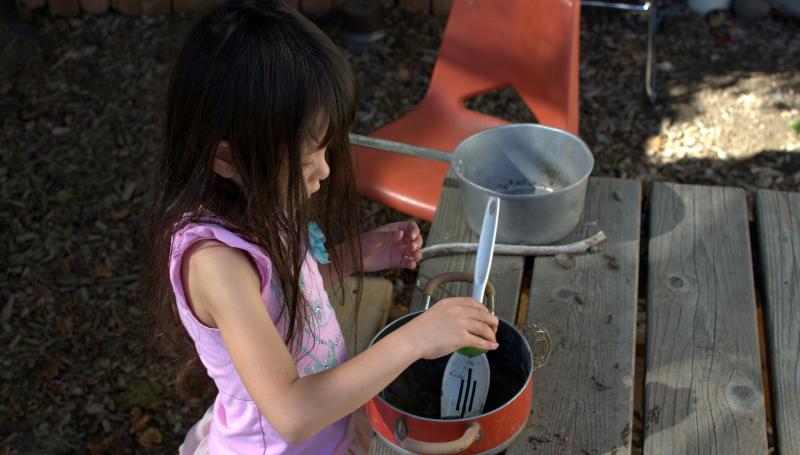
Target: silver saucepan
x=540, y=173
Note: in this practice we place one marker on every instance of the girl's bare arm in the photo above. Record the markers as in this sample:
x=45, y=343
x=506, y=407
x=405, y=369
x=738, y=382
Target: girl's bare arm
x=223, y=282
x=392, y=245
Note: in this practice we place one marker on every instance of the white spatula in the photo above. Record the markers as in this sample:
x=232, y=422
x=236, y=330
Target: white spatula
x=465, y=385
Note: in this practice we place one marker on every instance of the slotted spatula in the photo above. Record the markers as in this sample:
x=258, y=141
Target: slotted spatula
x=465, y=385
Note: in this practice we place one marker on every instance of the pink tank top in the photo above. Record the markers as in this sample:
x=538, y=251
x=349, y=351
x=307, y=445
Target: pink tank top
x=238, y=426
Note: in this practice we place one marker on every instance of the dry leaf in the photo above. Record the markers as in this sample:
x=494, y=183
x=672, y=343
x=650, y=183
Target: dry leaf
x=564, y=260
x=403, y=75
x=150, y=437
x=138, y=420
x=397, y=311
x=100, y=447
x=52, y=368
x=613, y=262
x=64, y=325
x=122, y=214
x=654, y=143
x=101, y=271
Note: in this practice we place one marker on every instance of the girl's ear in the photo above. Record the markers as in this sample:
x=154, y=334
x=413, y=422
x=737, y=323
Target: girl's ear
x=223, y=162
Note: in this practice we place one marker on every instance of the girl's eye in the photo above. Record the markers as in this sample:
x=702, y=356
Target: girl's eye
x=311, y=161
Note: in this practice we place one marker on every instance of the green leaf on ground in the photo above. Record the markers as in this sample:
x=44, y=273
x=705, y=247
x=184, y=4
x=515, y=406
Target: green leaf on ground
x=143, y=394
x=65, y=195
x=795, y=125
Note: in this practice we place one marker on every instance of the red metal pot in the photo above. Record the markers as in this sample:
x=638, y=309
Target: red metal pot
x=406, y=413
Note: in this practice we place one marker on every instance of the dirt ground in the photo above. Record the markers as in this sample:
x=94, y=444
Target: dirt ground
x=80, y=120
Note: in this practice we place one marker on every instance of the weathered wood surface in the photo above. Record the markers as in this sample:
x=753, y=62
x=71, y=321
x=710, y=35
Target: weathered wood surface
x=379, y=447
x=450, y=225
x=373, y=311
x=583, y=398
x=778, y=223
x=703, y=389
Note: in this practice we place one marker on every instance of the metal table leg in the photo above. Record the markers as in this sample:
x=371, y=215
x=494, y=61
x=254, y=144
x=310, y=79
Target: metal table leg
x=652, y=16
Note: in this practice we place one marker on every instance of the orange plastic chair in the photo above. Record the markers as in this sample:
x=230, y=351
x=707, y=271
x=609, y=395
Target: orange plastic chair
x=530, y=45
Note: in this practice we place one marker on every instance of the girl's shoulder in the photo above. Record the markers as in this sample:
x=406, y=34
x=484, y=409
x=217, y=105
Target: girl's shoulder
x=213, y=272
x=218, y=242
x=210, y=228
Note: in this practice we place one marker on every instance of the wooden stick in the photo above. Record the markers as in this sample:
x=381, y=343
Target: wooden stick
x=581, y=246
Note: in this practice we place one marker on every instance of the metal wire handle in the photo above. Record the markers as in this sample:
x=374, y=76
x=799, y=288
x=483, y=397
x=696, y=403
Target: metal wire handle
x=538, y=336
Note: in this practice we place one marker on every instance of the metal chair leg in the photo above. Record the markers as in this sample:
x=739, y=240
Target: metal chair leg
x=650, y=71
x=652, y=16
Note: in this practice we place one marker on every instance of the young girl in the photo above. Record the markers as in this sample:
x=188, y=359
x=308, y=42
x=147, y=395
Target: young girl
x=256, y=150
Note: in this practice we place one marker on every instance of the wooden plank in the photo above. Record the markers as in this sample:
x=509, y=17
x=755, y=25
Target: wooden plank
x=778, y=227
x=379, y=447
x=703, y=389
x=376, y=298
x=450, y=225
x=583, y=398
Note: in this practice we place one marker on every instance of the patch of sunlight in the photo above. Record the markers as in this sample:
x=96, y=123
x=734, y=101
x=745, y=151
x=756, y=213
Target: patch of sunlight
x=732, y=121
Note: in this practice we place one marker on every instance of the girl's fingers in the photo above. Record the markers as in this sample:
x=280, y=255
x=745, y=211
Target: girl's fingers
x=412, y=233
x=379, y=236
x=412, y=250
x=480, y=343
x=415, y=234
x=472, y=303
x=484, y=316
x=416, y=245
x=482, y=330
x=490, y=320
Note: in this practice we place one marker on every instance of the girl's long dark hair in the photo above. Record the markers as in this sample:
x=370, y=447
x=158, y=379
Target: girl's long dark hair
x=257, y=74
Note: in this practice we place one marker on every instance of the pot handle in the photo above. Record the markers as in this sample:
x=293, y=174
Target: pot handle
x=471, y=434
x=466, y=277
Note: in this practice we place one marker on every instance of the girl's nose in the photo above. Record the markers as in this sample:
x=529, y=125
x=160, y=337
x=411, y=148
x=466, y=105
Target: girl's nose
x=323, y=171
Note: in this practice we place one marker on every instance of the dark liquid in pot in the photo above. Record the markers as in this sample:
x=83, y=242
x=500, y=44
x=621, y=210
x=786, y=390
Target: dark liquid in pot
x=418, y=389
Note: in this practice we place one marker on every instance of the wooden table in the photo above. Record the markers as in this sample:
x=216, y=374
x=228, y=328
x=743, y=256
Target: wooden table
x=704, y=391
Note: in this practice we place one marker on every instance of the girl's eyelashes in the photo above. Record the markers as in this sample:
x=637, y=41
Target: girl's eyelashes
x=308, y=158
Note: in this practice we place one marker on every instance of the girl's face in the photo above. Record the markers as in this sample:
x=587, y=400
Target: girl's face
x=314, y=165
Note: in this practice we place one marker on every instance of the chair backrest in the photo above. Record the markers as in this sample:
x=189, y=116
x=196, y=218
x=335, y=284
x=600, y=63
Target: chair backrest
x=530, y=45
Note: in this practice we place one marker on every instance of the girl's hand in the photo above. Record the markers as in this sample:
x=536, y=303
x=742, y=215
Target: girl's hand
x=392, y=245
x=452, y=324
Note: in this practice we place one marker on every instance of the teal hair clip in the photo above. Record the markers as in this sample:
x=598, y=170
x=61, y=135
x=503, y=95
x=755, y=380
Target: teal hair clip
x=316, y=240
